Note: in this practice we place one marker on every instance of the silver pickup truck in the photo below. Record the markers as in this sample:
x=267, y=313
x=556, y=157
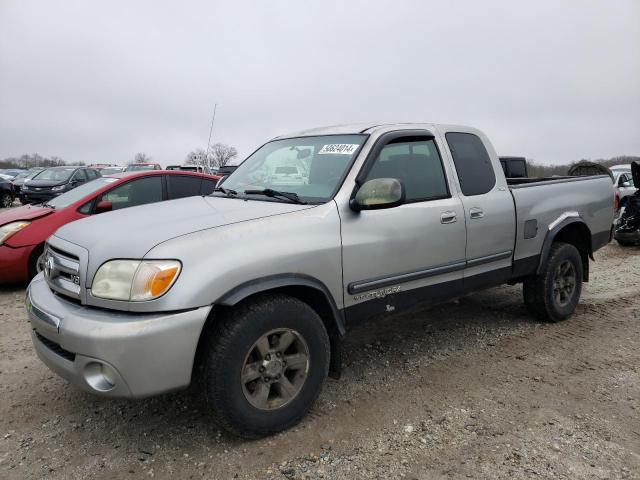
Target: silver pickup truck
x=249, y=291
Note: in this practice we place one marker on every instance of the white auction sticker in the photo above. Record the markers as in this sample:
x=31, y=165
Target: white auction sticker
x=341, y=148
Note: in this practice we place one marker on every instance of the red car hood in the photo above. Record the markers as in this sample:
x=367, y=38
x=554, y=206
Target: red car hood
x=27, y=212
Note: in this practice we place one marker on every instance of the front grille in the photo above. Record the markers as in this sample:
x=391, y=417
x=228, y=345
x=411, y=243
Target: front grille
x=55, y=348
x=62, y=272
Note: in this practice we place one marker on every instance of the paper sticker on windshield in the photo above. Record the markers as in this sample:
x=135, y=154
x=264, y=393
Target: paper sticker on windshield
x=340, y=148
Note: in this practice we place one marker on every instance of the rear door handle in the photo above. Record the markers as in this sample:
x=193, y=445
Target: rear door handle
x=448, y=217
x=476, y=212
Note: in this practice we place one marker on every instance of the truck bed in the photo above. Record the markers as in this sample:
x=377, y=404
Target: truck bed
x=542, y=203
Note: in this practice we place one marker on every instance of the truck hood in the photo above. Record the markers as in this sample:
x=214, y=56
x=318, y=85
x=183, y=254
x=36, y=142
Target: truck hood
x=132, y=232
x=27, y=212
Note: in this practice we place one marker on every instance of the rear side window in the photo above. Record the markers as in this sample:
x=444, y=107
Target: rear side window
x=207, y=187
x=472, y=162
x=417, y=164
x=80, y=176
x=137, y=192
x=180, y=186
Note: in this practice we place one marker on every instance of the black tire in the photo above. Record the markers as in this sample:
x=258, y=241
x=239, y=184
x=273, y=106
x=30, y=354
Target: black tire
x=224, y=351
x=6, y=200
x=541, y=298
x=33, y=261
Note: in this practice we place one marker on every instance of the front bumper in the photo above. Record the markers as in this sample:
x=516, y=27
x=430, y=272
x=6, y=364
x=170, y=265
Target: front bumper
x=113, y=353
x=32, y=196
x=631, y=237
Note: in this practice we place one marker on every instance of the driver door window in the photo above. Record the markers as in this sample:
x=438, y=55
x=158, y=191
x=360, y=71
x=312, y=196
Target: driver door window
x=417, y=164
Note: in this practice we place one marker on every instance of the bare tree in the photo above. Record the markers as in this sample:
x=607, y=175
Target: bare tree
x=222, y=153
x=140, y=157
x=197, y=157
x=217, y=156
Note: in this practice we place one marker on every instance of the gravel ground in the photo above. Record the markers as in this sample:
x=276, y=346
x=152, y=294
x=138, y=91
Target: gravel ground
x=470, y=389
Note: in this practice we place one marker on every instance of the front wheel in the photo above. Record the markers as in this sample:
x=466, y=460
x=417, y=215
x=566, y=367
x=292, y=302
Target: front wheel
x=6, y=200
x=553, y=295
x=263, y=365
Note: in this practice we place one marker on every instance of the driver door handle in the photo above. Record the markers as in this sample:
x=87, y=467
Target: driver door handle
x=448, y=217
x=476, y=212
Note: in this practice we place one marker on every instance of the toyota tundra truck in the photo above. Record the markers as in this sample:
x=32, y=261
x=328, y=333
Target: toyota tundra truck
x=248, y=292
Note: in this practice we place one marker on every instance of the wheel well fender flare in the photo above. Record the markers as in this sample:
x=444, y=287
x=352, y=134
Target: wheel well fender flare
x=282, y=282
x=582, y=242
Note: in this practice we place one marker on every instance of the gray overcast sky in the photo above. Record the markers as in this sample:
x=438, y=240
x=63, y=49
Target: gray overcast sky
x=99, y=81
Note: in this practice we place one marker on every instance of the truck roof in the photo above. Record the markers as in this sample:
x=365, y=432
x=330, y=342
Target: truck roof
x=354, y=128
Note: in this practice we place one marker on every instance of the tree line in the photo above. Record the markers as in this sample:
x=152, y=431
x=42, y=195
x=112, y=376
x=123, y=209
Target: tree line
x=218, y=155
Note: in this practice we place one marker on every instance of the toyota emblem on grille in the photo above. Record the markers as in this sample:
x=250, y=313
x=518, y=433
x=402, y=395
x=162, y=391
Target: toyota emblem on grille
x=49, y=264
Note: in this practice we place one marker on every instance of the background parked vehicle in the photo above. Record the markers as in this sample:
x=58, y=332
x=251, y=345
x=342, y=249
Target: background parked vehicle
x=21, y=178
x=191, y=168
x=111, y=170
x=11, y=172
x=623, y=183
x=55, y=181
x=7, y=194
x=138, y=167
x=251, y=289
x=25, y=229
x=627, y=231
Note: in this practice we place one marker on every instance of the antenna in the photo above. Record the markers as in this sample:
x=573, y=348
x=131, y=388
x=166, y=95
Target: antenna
x=213, y=119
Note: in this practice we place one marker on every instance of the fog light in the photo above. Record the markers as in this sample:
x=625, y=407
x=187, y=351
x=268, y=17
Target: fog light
x=99, y=376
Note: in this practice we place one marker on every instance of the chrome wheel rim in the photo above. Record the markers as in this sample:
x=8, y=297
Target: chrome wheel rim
x=275, y=369
x=564, y=283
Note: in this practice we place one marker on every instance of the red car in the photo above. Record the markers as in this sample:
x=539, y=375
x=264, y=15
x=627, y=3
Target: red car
x=24, y=230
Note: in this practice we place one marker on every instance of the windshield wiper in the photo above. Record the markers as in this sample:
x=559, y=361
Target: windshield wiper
x=227, y=191
x=275, y=193
x=47, y=204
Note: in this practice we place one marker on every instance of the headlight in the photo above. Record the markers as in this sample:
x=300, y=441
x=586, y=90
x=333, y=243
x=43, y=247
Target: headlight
x=135, y=280
x=59, y=188
x=10, y=229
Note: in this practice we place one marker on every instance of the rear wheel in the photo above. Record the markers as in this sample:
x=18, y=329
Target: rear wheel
x=553, y=295
x=6, y=200
x=263, y=365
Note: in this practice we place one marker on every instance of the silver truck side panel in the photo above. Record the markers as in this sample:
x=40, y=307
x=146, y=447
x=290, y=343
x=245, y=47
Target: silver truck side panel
x=591, y=198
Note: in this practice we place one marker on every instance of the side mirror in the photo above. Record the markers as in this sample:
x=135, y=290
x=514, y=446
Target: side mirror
x=377, y=194
x=104, y=206
x=625, y=184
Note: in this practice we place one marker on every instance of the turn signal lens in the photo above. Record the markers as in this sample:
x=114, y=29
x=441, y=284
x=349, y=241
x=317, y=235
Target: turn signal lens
x=153, y=278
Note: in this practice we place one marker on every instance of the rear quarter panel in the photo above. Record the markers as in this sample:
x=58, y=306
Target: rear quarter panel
x=590, y=197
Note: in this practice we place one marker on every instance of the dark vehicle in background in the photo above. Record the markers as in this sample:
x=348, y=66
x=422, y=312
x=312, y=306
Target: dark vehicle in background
x=24, y=230
x=55, y=181
x=139, y=167
x=21, y=178
x=627, y=231
x=7, y=194
x=514, y=167
x=230, y=167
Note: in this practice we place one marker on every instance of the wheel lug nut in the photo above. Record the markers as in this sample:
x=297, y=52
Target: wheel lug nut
x=267, y=357
x=278, y=354
x=261, y=369
x=266, y=379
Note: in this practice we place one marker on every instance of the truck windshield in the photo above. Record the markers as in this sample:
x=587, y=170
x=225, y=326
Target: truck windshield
x=311, y=167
